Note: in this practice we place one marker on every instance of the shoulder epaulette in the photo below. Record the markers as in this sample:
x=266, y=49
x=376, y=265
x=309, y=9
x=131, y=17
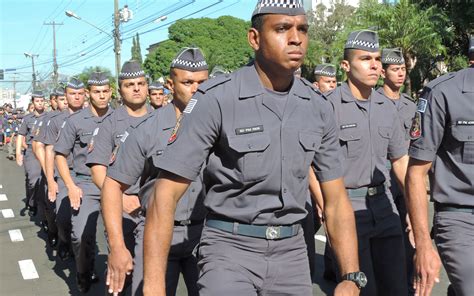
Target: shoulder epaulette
x=213, y=82
x=439, y=80
x=307, y=83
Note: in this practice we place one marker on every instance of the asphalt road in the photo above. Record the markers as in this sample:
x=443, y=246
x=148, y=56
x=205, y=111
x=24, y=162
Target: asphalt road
x=28, y=266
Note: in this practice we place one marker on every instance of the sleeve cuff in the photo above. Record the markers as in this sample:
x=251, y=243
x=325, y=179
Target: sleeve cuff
x=178, y=168
x=398, y=153
x=121, y=177
x=330, y=175
x=62, y=150
x=420, y=154
x=95, y=160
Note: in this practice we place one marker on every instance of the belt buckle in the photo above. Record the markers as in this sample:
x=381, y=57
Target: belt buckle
x=372, y=191
x=273, y=232
x=185, y=222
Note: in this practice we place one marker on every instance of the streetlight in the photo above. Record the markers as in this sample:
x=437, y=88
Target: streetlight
x=73, y=15
x=115, y=36
x=32, y=56
x=160, y=19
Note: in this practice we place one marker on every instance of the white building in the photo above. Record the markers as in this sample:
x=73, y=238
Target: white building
x=6, y=96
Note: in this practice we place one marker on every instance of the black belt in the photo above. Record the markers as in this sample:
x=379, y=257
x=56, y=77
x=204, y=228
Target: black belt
x=453, y=208
x=258, y=231
x=366, y=191
x=188, y=222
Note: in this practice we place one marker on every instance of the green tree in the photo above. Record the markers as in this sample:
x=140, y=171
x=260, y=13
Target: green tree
x=222, y=40
x=85, y=74
x=136, y=49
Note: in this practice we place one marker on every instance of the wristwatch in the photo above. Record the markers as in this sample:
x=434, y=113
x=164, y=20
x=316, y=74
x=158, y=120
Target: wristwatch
x=357, y=277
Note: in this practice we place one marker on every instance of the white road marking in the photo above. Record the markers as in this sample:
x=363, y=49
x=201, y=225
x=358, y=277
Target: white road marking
x=320, y=238
x=15, y=235
x=28, y=270
x=8, y=213
x=3, y=197
x=1, y=186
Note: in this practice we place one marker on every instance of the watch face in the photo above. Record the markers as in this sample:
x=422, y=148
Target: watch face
x=362, y=279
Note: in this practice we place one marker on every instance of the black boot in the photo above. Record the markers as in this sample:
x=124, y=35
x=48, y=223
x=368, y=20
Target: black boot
x=85, y=280
x=64, y=252
x=52, y=239
x=32, y=211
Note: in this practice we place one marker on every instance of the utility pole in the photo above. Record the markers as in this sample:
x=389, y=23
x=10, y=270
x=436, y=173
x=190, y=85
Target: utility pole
x=117, y=45
x=55, y=62
x=32, y=56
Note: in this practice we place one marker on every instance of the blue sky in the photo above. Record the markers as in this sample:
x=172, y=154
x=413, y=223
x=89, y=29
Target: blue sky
x=80, y=45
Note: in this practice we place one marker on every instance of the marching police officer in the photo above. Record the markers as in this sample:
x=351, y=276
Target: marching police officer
x=444, y=150
x=76, y=138
x=325, y=77
x=39, y=151
x=133, y=89
x=369, y=133
x=70, y=100
x=156, y=92
x=257, y=130
x=34, y=181
x=394, y=74
x=142, y=146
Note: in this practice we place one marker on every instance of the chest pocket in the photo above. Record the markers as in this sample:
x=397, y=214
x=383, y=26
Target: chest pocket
x=251, y=155
x=381, y=145
x=464, y=145
x=310, y=143
x=350, y=140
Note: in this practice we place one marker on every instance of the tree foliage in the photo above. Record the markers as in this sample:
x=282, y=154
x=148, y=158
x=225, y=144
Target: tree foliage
x=222, y=40
x=86, y=73
x=421, y=33
x=136, y=49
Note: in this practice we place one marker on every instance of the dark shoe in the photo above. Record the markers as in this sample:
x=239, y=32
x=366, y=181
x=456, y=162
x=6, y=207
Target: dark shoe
x=64, y=253
x=85, y=280
x=32, y=211
x=44, y=226
x=52, y=239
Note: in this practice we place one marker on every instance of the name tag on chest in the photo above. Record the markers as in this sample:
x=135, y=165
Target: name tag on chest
x=348, y=125
x=465, y=122
x=249, y=130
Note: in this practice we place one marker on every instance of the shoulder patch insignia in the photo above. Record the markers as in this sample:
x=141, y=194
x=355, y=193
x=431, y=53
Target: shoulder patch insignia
x=124, y=137
x=175, y=131
x=415, y=130
x=91, y=144
x=189, y=108
x=422, y=103
x=114, y=154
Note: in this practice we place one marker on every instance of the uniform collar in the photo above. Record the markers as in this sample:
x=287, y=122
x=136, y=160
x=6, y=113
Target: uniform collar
x=122, y=113
x=347, y=96
x=88, y=113
x=251, y=86
x=468, y=83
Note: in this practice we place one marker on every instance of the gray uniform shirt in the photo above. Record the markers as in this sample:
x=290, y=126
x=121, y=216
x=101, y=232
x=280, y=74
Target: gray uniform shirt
x=138, y=155
x=53, y=127
x=75, y=137
x=257, y=160
x=28, y=126
x=406, y=111
x=107, y=140
x=369, y=132
x=447, y=139
x=40, y=131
